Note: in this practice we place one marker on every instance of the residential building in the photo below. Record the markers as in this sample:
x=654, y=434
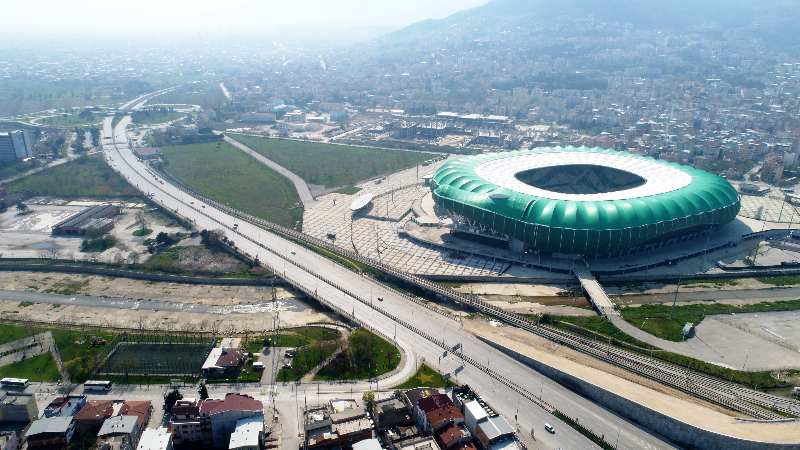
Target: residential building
x=210, y=113
x=185, y=422
x=15, y=145
x=146, y=152
x=119, y=433
x=65, y=406
x=441, y=417
x=428, y=404
x=258, y=117
x=338, y=114
x=422, y=443
x=329, y=106
x=367, y=444
x=223, y=362
x=94, y=413
x=452, y=436
x=295, y=116
x=390, y=412
x=52, y=432
x=412, y=398
x=18, y=407
x=9, y=440
x=339, y=435
x=140, y=409
x=248, y=435
x=218, y=417
x=155, y=439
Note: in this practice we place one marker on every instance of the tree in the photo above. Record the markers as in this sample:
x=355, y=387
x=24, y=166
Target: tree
x=368, y=398
x=142, y=219
x=133, y=257
x=93, y=233
x=163, y=239
x=22, y=207
x=399, y=394
x=203, y=391
x=172, y=398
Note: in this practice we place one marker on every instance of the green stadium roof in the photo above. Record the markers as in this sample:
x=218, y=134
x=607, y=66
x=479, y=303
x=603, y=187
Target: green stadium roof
x=622, y=200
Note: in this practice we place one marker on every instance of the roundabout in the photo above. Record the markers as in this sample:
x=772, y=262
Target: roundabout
x=578, y=200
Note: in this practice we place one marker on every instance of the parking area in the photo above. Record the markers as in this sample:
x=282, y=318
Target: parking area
x=29, y=235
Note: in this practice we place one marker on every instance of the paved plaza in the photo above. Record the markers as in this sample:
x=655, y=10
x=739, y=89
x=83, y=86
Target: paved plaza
x=374, y=232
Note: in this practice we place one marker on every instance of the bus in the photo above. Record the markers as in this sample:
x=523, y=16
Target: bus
x=14, y=382
x=97, y=385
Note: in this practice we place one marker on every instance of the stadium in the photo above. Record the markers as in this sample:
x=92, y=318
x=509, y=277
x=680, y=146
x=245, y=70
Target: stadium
x=584, y=201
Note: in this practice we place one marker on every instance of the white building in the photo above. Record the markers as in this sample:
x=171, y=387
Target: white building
x=15, y=145
x=155, y=439
x=248, y=434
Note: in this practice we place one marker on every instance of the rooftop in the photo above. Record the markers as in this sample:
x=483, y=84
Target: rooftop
x=248, y=432
x=155, y=439
x=118, y=425
x=231, y=402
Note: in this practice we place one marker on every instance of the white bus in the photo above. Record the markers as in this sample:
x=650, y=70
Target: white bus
x=97, y=385
x=14, y=382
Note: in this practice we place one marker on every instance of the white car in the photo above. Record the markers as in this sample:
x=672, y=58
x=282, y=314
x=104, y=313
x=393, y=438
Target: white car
x=549, y=428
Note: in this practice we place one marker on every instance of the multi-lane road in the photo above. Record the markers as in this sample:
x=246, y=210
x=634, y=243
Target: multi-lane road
x=310, y=270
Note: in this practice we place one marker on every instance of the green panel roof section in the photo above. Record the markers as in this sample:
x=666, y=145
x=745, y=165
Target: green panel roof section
x=707, y=199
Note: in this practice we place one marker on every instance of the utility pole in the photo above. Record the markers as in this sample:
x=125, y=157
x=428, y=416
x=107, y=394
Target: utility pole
x=672, y=313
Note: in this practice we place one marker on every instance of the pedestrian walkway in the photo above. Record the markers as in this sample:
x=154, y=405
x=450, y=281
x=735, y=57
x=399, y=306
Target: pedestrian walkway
x=299, y=184
x=597, y=295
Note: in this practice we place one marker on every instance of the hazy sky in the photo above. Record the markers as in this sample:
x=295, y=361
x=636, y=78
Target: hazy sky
x=81, y=17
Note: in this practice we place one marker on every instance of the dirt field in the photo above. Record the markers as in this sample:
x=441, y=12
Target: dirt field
x=135, y=289
x=642, y=390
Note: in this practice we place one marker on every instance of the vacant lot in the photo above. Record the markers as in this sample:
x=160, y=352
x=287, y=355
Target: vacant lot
x=332, y=165
x=366, y=356
x=229, y=176
x=87, y=176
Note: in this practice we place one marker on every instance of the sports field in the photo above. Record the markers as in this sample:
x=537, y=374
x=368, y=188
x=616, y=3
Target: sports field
x=156, y=359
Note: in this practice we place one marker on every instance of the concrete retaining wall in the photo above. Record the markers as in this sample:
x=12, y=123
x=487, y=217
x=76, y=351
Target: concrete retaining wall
x=681, y=432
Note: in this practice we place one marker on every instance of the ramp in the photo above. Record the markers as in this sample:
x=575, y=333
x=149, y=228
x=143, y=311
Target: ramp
x=596, y=293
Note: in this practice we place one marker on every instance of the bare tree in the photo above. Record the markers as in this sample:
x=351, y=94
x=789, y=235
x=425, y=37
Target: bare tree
x=133, y=257
x=214, y=327
x=53, y=252
x=142, y=219
x=140, y=324
x=66, y=388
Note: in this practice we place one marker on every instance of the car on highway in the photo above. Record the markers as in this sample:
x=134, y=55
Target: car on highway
x=549, y=428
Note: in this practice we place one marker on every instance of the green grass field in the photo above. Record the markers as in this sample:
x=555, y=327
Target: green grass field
x=425, y=377
x=70, y=120
x=654, y=318
x=366, y=356
x=329, y=164
x=22, y=96
x=306, y=359
x=159, y=118
x=229, y=176
x=87, y=176
x=38, y=368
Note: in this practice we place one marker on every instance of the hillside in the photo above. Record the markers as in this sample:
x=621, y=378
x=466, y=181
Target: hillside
x=772, y=21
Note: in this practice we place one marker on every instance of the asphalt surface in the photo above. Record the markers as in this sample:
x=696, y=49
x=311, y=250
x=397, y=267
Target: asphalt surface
x=507, y=402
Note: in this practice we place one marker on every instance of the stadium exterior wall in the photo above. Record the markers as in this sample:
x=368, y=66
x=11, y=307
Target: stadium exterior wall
x=590, y=227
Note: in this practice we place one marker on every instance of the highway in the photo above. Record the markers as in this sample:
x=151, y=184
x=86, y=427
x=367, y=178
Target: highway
x=310, y=270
